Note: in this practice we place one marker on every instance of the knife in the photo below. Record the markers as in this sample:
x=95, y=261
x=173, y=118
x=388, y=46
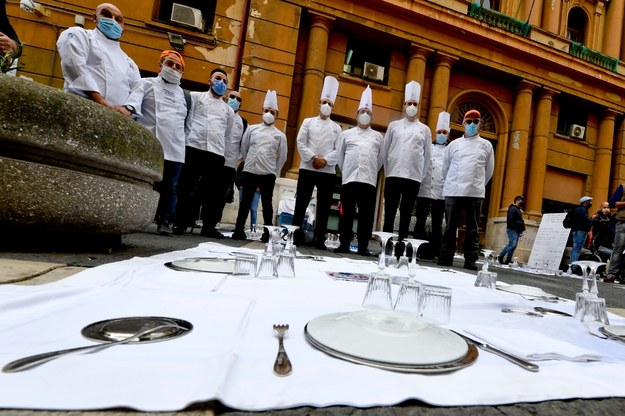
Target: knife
x=510, y=357
x=551, y=311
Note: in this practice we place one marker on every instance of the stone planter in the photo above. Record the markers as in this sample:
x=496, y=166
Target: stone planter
x=69, y=165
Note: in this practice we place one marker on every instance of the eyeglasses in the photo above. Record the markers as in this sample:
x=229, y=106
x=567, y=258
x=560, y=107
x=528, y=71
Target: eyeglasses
x=235, y=97
x=172, y=64
x=472, y=121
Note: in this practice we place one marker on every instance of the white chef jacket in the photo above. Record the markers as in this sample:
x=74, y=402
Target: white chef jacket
x=407, y=149
x=360, y=155
x=92, y=62
x=233, y=146
x=468, y=165
x=318, y=137
x=264, y=149
x=211, y=123
x=432, y=184
x=164, y=110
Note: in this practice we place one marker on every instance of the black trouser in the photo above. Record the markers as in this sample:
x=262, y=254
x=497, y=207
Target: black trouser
x=199, y=183
x=471, y=246
x=306, y=183
x=436, y=207
x=249, y=183
x=362, y=195
x=227, y=178
x=394, y=190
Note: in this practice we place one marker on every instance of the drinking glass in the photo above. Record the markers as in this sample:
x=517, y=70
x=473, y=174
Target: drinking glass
x=332, y=241
x=383, y=236
x=595, y=311
x=415, y=243
x=290, y=247
x=286, y=264
x=486, y=279
x=408, y=298
x=378, y=293
x=245, y=265
x=435, y=304
x=487, y=254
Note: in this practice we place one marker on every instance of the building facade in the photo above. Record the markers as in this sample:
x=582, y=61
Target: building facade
x=545, y=74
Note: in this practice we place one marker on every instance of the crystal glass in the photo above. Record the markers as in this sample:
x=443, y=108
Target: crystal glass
x=383, y=236
x=486, y=279
x=408, y=298
x=586, y=293
x=435, y=304
x=415, y=243
x=378, y=292
x=290, y=247
x=332, y=241
x=487, y=254
x=245, y=265
x=595, y=311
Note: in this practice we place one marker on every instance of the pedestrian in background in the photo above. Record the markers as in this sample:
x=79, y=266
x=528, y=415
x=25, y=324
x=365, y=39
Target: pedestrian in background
x=515, y=225
x=581, y=226
x=164, y=110
x=10, y=45
x=615, y=271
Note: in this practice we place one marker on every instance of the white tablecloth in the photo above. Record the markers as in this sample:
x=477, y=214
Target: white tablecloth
x=230, y=352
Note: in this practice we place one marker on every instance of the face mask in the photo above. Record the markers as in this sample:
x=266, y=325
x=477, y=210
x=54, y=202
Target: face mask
x=470, y=130
x=326, y=110
x=170, y=75
x=364, y=119
x=411, y=110
x=110, y=28
x=441, y=138
x=268, y=118
x=234, y=104
x=219, y=87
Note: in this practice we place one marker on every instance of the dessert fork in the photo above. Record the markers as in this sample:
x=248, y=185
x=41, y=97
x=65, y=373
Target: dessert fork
x=282, y=366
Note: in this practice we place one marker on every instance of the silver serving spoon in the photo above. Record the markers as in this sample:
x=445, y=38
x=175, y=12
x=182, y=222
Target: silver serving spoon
x=32, y=361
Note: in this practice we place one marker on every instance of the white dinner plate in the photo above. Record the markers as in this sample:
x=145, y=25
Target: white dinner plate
x=387, y=339
x=205, y=264
x=615, y=330
x=526, y=291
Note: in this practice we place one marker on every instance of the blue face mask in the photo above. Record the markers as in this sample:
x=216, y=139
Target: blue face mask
x=110, y=28
x=441, y=138
x=470, y=130
x=219, y=87
x=234, y=104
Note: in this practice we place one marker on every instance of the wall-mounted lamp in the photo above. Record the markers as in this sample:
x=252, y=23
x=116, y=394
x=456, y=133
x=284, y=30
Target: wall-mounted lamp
x=31, y=6
x=176, y=41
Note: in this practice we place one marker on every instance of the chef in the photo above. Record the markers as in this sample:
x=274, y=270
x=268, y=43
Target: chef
x=264, y=150
x=211, y=126
x=407, y=147
x=316, y=142
x=360, y=156
x=95, y=67
x=164, y=110
x=430, y=200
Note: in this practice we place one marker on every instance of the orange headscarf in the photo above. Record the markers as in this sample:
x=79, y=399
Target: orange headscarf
x=175, y=53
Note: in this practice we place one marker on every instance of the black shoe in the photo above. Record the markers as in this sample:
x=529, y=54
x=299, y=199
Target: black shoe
x=265, y=237
x=445, y=262
x=211, y=233
x=299, y=238
x=470, y=265
x=238, y=235
x=508, y=261
x=165, y=229
x=179, y=229
x=365, y=253
x=342, y=249
x=500, y=259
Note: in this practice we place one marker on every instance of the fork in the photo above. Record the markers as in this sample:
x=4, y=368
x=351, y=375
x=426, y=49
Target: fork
x=282, y=366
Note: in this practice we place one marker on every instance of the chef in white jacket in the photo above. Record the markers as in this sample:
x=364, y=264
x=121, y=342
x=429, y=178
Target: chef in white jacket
x=316, y=142
x=468, y=165
x=95, y=67
x=164, y=110
x=264, y=150
x=360, y=156
x=211, y=126
x=430, y=200
x=407, y=147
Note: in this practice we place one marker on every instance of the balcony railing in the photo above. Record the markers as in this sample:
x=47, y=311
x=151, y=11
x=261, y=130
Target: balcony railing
x=579, y=50
x=499, y=20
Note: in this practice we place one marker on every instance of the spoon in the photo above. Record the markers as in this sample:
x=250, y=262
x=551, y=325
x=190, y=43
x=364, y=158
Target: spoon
x=32, y=361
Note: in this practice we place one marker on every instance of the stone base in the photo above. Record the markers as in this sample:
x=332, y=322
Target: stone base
x=497, y=237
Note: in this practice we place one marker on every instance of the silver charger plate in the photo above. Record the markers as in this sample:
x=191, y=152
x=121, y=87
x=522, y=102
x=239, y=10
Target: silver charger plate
x=120, y=328
x=467, y=360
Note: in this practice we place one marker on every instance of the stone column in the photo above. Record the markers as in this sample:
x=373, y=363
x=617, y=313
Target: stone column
x=603, y=157
x=613, y=33
x=440, y=87
x=516, y=159
x=551, y=15
x=533, y=11
x=538, y=159
x=314, y=73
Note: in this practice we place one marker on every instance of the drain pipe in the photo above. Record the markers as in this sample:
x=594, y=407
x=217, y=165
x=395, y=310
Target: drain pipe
x=236, y=74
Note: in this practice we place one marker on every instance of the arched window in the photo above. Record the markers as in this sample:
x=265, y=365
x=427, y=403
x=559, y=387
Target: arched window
x=576, y=25
x=487, y=124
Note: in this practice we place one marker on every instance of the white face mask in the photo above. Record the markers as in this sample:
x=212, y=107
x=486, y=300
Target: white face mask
x=364, y=119
x=268, y=118
x=326, y=109
x=411, y=110
x=170, y=75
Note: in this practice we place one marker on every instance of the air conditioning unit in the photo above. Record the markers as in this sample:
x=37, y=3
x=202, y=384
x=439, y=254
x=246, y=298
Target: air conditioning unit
x=373, y=71
x=576, y=131
x=187, y=16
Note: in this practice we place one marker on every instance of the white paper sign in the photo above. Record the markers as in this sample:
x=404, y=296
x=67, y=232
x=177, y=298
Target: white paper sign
x=550, y=242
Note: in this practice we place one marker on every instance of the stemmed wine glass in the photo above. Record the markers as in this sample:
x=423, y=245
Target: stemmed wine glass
x=415, y=243
x=289, y=243
x=383, y=236
x=267, y=268
x=580, y=297
x=378, y=293
x=487, y=254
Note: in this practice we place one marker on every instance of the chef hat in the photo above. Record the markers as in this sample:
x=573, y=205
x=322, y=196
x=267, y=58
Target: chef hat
x=271, y=100
x=443, y=121
x=330, y=89
x=413, y=91
x=366, y=100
